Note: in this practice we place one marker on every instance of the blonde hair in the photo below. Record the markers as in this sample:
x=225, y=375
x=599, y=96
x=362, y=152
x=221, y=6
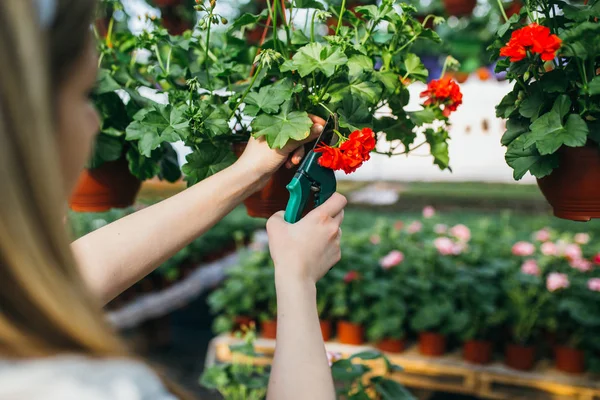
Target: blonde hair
x=45, y=308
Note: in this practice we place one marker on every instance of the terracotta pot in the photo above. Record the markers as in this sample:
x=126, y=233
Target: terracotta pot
x=391, y=345
x=268, y=329
x=109, y=186
x=477, y=352
x=241, y=322
x=519, y=357
x=432, y=344
x=460, y=8
x=349, y=333
x=326, y=329
x=573, y=189
x=568, y=359
x=484, y=73
x=274, y=196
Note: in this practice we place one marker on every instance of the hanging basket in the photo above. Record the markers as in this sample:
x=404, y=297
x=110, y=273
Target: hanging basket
x=109, y=186
x=573, y=189
x=460, y=8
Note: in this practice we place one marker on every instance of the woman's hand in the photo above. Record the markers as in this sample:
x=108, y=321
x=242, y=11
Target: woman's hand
x=305, y=251
x=263, y=160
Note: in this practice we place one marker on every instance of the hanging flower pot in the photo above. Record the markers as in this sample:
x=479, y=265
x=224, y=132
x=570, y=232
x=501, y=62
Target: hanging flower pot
x=326, y=329
x=460, y=8
x=274, y=196
x=391, y=345
x=573, y=189
x=477, y=352
x=519, y=357
x=432, y=344
x=111, y=185
x=349, y=333
x=570, y=360
x=268, y=329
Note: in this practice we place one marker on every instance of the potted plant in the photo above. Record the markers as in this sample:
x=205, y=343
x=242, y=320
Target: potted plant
x=125, y=154
x=459, y=8
x=479, y=294
x=387, y=317
x=268, y=299
x=228, y=93
x=573, y=318
x=356, y=379
x=553, y=109
x=324, y=306
x=243, y=378
x=526, y=298
x=241, y=297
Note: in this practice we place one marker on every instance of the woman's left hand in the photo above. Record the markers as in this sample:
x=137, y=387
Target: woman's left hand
x=259, y=157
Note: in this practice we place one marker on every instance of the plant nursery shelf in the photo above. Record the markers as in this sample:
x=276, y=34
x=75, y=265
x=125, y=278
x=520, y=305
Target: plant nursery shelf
x=449, y=373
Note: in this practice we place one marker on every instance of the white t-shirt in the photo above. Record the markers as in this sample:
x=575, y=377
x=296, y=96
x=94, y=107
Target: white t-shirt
x=79, y=378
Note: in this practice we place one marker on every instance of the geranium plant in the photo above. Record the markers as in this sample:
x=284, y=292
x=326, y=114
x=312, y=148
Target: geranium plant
x=226, y=89
x=551, y=53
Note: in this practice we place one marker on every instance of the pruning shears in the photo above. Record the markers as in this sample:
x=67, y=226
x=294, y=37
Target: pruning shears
x=312, y=178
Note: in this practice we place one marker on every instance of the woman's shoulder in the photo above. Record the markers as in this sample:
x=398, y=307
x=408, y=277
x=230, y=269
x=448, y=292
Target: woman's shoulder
x=79, y=378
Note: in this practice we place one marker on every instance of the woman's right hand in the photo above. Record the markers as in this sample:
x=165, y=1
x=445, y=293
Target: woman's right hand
x=307, y=249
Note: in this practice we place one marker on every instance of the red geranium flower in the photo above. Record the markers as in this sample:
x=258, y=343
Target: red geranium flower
x=351, y=276
x=443, y=92
x=351, y=154
x=597, y=259
x=534, y=38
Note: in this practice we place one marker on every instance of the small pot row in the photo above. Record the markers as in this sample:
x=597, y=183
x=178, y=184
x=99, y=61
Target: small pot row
x=480, y=352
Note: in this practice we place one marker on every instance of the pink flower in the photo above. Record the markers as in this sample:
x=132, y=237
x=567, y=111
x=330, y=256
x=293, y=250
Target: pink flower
x=523, y=249
x=394, y=258
x=549, y=249
x=428, y=212
x=444, y=246
x=581, y=264
x=530, y=267
x=375, y=239
x=556, y=281
x=582, y=238
x=414, y=227
x=459, y=248
x=351, y=276
x=594, y=284
x=597, y=259
x=461, y=232
x=543, y=235
x=398, y=225
x=573, y=251
x=440, y=229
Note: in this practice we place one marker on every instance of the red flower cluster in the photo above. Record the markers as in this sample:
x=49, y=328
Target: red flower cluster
x=351, y=154
x=597, y=259
x=444, y=92
x=534, y=38
x=351, y=276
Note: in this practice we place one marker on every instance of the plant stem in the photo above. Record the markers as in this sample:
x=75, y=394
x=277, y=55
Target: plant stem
x=326, y=108
x=502, y=11
x=312, y=27
x=158, y=57
x=246, y=92
x=341, y=17
x=210, y=15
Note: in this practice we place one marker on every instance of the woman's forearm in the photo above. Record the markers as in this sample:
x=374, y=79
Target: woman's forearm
x=116, y=256
x=300, y=369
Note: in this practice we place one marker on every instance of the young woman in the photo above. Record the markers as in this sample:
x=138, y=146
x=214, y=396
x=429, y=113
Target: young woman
x=54, y=342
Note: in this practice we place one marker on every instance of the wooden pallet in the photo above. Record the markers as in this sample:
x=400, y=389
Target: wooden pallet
x=448, y=373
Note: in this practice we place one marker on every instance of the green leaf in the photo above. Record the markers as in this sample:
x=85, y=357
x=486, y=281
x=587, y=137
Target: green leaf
x=507, y=25
x=548, y=133
x=554, y=81
x=515, y=127
x=105, y=83
x=389, y=79
x=106, y=148
x=308, y=4
x=594, y=85
x=562, y=105
x=400, y=128
x=507, y=105
x=281, y=128
x=532, y=105
x=206, y=161
x=421, y=117
x=262, y=101
x=169, y=164
x=367, y=91
x=522, y=159
x=162, y=123
x=414, y=67
x=299, y=38
x=142, y=167
x=316, y=57
x=354, y=114
x=359, y=64
x=215, y=377
x=245, y=20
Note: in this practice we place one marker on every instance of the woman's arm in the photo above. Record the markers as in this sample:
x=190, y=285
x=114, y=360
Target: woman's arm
x=303, y=253
x=116, y=256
